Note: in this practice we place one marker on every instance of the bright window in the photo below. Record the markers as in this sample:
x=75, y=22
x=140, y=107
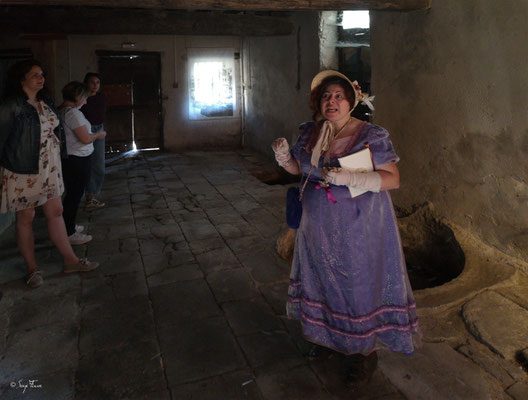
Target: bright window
x=211, y=85
x=356, y=19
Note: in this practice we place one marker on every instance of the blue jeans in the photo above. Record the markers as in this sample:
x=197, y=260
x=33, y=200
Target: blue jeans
x=98, y=164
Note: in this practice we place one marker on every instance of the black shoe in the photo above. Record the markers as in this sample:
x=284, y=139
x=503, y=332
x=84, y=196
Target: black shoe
x=317, y=352
x=359, y=369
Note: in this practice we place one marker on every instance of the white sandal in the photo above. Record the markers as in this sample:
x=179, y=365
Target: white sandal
x=34, y=280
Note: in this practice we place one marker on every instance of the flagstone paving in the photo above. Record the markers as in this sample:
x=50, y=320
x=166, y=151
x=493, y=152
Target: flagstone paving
x=189, y=303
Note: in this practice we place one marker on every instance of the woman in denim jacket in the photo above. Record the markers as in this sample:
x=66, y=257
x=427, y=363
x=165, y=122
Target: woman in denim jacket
x=31, y=140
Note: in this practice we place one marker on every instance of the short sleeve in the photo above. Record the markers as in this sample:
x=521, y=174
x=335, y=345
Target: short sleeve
x=381, y=146
x=73, y=118
x=305, y=132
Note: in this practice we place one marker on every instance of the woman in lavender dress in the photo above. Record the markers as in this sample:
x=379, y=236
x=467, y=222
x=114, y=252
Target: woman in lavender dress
x=348, y=285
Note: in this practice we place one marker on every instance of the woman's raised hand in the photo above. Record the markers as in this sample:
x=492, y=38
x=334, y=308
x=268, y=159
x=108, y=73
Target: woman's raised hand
x=282, y=151
x=280, y=145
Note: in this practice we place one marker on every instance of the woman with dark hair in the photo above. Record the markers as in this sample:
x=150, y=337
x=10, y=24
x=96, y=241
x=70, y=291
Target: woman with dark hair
x=94, y=110
x=31, y=144
x=79, y=146
x=348, y=284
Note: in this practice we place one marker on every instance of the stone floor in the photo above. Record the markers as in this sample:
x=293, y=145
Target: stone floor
x=189, y=303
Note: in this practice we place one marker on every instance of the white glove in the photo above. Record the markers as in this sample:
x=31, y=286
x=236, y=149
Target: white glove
x=344, y=177
x=282, y=151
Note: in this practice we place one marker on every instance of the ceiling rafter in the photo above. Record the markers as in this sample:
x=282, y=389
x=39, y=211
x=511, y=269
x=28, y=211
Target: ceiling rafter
x=402, y=5
x=41, y=20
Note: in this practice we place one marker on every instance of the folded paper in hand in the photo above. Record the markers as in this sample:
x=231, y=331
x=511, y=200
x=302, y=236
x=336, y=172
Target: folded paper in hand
x=357, y=162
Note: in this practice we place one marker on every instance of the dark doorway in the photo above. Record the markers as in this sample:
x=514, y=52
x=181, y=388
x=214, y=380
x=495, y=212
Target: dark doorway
x=132, y=83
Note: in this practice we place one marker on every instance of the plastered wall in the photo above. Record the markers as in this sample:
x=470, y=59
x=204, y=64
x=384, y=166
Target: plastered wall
x=451, y=86
x=278, y=71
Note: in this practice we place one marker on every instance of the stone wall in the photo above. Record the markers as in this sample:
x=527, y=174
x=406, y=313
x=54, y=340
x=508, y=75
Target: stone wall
x=451, y=87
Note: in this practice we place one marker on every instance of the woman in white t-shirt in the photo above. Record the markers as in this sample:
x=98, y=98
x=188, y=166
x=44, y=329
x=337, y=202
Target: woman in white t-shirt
x=79, y=145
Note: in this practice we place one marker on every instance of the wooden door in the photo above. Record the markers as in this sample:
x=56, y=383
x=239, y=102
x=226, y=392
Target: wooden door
x=132, y=83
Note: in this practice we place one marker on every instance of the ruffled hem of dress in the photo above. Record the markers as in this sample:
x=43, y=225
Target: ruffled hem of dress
x=389, y=334
x=378, y=345
x=5, y=208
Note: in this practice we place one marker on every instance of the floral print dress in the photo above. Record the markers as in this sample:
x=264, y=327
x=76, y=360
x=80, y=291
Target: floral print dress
x=22, y=191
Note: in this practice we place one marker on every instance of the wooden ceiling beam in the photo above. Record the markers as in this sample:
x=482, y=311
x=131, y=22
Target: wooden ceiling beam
x=254, y=5
x=87, y=20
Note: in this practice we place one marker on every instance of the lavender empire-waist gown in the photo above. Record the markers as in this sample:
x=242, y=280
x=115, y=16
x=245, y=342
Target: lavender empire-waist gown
x=348, y=283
